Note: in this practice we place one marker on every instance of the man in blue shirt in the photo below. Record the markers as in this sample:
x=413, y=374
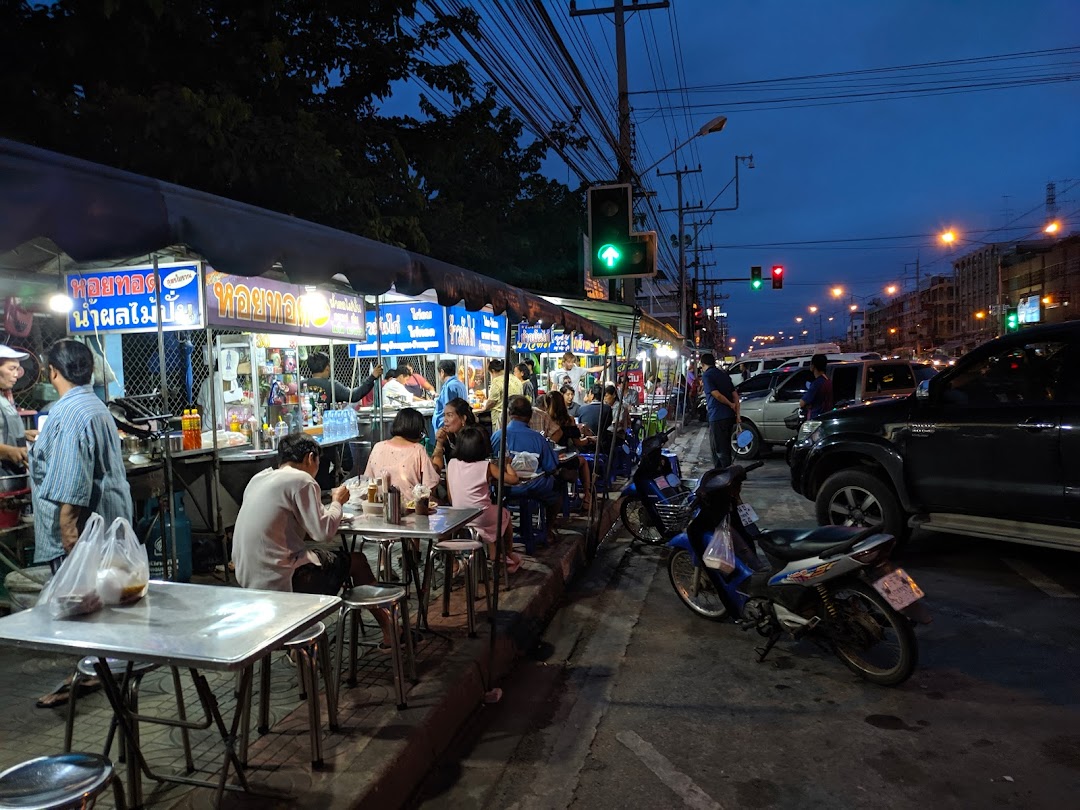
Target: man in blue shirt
x=520, y=438
x=722, y=406
x=452, y=388
x=818, y=397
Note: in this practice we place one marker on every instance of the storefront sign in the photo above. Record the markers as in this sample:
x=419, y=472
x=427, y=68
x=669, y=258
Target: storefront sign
x=125, y=299
x=413, y=328
x=334, y=315
x=532, y=338
x=635, y=380
x=265, y=305
x=475, y=334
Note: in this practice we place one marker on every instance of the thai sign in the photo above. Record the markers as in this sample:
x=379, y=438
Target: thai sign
x=125, y=299
x=476, y=334
x=413, y=328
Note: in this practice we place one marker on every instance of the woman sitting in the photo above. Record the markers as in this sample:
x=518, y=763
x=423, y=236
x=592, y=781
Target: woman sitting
x=402, y=456
x=457, y=415
x=469, y=476
x=572, y=405
x=571, y=435
x=542, y=423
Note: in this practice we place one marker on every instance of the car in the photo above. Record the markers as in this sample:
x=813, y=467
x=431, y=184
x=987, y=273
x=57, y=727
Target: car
x=989, y=448
x=767, y=406
x=745, y=369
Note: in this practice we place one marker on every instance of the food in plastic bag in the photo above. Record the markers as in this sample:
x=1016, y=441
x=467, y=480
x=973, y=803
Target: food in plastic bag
x=124, y=573
x=73, y=590
x=525, y=462
x=721, y=551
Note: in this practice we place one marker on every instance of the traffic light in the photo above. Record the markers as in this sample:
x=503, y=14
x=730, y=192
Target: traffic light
x=697, y=322
x=755, y=278
x=640, y=255
x=610, y=213
x=778, y=277
x=1012, y=320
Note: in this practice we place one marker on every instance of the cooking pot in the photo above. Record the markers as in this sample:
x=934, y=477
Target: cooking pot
x=134, y=444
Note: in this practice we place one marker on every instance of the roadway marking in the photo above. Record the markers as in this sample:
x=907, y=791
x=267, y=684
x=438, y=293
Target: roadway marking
x=679, y=782
x=1033, y=575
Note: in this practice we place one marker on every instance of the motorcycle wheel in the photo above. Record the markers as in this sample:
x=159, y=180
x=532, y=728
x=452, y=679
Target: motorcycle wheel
x=694, y=587
x=637, y=521
x=871, y=638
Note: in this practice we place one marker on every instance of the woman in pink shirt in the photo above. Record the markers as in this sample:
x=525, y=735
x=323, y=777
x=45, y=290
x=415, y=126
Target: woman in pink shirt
x=403, y=456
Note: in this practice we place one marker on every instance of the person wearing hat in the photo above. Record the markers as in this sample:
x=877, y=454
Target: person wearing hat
x=570, y=369
x=496, y=394
x=12, y=435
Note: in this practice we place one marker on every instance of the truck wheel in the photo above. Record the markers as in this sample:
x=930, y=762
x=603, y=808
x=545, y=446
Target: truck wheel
x=860, y=498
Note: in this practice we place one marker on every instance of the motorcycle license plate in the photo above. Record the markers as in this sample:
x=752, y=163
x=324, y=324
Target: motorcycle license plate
x=898, y=589
x=747, y=515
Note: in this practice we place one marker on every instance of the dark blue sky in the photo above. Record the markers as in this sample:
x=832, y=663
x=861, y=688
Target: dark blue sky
x=877, y=169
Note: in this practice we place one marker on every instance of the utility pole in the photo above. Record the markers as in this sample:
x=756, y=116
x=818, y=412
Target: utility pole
x=678, y=174
x=618, y=9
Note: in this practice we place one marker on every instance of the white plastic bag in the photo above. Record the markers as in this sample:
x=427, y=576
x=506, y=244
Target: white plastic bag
x=124, y=572
x=525, y=462
x=73, y=590
x=721, y=551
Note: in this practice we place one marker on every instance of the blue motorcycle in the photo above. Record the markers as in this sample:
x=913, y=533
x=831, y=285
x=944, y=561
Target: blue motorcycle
x=657, y=503
x=832, y=584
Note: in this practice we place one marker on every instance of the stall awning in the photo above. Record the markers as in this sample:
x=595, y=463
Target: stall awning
x=620, y=317
x=95, y=213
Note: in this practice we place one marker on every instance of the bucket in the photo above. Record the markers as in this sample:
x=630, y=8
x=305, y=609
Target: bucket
x=150, y=528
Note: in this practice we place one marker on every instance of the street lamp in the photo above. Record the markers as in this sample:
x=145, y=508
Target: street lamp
x=837, y=292
x=949, y=236
x=715, y=125
x=891, y=289
x=798, y=319
x=1052, y=227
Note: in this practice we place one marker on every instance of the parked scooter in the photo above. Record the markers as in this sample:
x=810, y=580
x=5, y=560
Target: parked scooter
x=832, y=584
x=657, y=504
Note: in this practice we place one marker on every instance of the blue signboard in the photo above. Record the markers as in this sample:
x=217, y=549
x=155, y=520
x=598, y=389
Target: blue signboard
x=475, y=334
x=125, y=299
x=413, y=328
x=531, y=338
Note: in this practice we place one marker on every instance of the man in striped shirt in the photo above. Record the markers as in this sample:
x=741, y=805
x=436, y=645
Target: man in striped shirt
x=76, y=464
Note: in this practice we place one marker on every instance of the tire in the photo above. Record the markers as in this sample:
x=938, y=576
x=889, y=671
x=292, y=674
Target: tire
x=702, y=599
x=638, y=522
x=860, y=498
x=752, y=450
x=863, y=616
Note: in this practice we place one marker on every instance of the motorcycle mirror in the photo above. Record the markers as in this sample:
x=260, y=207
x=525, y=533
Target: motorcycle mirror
x=744, y=439
x=662, y=413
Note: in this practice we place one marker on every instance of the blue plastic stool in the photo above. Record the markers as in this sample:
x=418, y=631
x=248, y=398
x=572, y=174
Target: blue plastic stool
x=522, y=506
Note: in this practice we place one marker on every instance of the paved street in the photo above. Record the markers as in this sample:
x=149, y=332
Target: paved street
x=631, y=700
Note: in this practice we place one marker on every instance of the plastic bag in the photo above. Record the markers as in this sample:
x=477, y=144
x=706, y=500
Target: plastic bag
x=73, y=590
x=721, y=552
x=525, y=462
x=124, y=571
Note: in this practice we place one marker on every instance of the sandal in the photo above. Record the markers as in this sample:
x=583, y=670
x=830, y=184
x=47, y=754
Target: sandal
x=60, y=696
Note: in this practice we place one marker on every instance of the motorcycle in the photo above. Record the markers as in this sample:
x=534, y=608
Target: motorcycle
x=657, y=503
x=832, y=584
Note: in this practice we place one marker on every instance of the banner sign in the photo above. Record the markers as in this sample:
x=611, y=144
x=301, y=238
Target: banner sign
x=342, y=318
x=635, y=380
x=125, y=299
x=532, y=338
x=265, y=305
x=412, y=328
x=475, y=334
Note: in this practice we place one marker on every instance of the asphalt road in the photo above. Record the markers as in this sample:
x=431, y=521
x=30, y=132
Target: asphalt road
x=631, y=700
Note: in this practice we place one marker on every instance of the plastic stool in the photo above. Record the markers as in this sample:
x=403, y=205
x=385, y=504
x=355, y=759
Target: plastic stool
x=472, y=557
x=58, y=783
x=118, y=668
x=523, y=505
x=388, y=597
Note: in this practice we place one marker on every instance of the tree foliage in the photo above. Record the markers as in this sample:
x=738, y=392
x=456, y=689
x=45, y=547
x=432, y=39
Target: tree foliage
x=281, y=104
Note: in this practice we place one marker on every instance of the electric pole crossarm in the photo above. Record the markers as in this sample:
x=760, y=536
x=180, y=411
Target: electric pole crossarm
x=575, y=12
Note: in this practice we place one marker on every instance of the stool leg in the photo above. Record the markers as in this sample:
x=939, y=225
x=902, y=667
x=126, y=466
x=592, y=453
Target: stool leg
x=395, y=654
x=341, y=628
x=264, y=695
x=181, y=713
x=470, y=595
x=245, y=720
x=484, y=571
x=354, y=643
x=118, y=793
x=305, y=667
x=407, y=631
x=448, y=578
x=134, y=773
x=323, y=649
x=69, y=729
x=383, y=563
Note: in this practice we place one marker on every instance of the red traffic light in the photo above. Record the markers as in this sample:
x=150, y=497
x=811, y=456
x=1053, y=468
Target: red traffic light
x=777, y=276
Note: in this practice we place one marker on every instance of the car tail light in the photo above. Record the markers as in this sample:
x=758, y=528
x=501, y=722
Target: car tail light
x=875, y=554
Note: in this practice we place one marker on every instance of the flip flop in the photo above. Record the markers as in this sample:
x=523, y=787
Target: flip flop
x=60, y=696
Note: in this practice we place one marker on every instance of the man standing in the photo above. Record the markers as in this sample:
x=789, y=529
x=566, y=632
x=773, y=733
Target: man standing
x=12, y=436
x=496, y=394
x=818, y=397
x=528, y=390
x=722, y=405
x=571, y=369
x=534, y=378
x=451, y=388
x=328, y=390
x=76, y=464
x=521, y=438
x=281, y=508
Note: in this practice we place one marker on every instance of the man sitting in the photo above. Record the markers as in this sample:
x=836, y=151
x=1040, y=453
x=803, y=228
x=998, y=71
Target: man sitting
x=520, y=438
x=282, y=509
x=595, y=414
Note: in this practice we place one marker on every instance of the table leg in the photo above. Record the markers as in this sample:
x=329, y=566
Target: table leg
x=228, y=734
x=413, y=572
x=135, y=761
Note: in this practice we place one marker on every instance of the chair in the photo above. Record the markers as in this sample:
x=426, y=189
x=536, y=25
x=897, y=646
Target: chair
x=59, y=782
x=470, y=553
x=130, y=695
x=388, y=597
x=523, y=506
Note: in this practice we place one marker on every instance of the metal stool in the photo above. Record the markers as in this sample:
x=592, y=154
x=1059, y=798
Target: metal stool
x=118, y=669
x=58, y=783
x=388, y=597
x=471, y=555
x=312, y=650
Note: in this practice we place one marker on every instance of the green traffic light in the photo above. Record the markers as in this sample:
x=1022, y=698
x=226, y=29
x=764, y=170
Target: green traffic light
x=610, y=255
x=756, y=284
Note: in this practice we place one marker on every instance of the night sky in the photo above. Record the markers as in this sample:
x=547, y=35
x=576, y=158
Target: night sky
x=891, y=168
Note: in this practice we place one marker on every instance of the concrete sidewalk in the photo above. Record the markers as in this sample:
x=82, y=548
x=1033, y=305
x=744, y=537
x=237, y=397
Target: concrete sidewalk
x=379, y=755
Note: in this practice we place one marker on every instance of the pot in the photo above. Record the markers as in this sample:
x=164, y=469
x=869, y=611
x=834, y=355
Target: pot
x=14, y=483
x=134, y=444
x=176, y=442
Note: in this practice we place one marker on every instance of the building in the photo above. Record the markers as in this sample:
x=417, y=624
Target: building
x=916, y=322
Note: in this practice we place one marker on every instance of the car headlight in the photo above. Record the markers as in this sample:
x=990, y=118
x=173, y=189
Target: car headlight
x=808, y=428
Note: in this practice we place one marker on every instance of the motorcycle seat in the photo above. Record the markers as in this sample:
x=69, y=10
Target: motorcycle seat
x=822, y=541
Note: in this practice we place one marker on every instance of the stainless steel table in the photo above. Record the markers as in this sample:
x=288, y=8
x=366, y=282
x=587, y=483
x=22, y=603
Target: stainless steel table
x=192, y=626
x=433, y=528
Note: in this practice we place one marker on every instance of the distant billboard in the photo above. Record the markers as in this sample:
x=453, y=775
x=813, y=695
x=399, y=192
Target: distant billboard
x=1029, y=310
